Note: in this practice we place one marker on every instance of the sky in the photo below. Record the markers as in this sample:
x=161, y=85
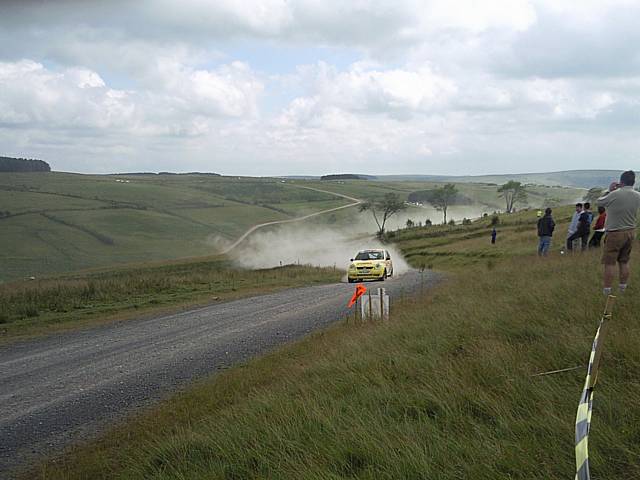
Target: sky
x=310, y=87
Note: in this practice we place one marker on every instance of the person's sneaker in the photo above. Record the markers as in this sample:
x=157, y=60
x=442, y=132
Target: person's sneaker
x=606, y=291
x=622, y=287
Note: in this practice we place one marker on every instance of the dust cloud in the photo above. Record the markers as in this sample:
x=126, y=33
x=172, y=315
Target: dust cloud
x=307, y=245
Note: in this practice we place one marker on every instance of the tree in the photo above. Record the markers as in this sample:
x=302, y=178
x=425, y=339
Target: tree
x=383, y=208
x=9, y=164
x=593, y=194
x=513, y=192
x=443, y=197
x=409, y=223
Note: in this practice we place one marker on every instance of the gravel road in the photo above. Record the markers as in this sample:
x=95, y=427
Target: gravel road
x=66, y=388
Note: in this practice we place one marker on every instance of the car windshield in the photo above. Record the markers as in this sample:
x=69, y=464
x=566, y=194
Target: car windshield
x=369, y=255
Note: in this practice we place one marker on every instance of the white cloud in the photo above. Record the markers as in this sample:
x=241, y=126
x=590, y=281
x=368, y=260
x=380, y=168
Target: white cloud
x=79, y=98
x=436, y=86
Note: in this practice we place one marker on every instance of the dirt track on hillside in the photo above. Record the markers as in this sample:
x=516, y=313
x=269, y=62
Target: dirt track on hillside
x=65, y=388
x=297, y=219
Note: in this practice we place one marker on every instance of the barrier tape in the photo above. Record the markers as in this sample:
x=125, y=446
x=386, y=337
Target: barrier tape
x=583, y=415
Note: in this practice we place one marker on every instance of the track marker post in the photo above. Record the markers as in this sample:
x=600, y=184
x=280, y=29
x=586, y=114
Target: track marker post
x=583, y=415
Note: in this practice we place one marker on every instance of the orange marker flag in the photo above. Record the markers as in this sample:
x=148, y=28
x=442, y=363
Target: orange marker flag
x=360, y=289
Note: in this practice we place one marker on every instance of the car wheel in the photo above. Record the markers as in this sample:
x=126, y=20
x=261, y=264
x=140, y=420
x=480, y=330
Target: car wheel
x=350, y=280
x=384, y=276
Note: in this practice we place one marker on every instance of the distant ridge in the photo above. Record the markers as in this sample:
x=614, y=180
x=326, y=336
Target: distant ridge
x=347, y=176
x=167, y=173
x=9, y=164
x=567, y=178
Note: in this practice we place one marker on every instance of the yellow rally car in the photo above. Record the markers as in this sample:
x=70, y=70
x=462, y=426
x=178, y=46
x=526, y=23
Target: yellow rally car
x=372, y=264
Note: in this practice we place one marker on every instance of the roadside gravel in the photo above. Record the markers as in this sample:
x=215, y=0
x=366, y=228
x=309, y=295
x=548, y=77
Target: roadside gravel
x=66, y=388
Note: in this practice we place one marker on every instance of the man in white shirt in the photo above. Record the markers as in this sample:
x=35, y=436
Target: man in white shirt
x=573, y=226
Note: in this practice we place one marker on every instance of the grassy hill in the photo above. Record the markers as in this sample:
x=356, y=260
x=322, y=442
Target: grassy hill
x=445, y=390
x=56, y=222
x=60, y=222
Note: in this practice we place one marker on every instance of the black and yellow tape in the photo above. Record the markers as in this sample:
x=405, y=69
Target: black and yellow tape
x=583, y=416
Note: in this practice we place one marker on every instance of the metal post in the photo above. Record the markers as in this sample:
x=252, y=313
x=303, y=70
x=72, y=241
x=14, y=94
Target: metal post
x=606, y=316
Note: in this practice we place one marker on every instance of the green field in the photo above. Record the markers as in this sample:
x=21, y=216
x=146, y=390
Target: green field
x=63, y=222
x=59, y=222
x=444, y=390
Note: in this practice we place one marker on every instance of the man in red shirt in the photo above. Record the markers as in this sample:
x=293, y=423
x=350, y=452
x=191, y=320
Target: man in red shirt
x=598, y=228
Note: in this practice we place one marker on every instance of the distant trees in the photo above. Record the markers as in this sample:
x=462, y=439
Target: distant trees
x=443, y=197
x=593, y=194
x=8, y=164
x=347, y=176
x=383, y=208
x=513, y=192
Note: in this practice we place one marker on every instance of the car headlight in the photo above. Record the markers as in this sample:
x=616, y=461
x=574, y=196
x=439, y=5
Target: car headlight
x=378, y=265
x=352, y=266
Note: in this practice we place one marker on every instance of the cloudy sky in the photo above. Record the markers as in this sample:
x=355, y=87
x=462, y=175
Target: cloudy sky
x=273, y=87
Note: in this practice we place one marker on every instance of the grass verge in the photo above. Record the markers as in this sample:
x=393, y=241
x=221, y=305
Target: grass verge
x=443, y=391
x=49, y=305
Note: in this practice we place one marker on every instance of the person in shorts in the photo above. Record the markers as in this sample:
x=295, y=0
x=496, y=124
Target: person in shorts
x=622, y=203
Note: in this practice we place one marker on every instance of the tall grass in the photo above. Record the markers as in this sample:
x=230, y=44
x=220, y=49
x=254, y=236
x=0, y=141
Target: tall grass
x=444, y=391
x=40, y=303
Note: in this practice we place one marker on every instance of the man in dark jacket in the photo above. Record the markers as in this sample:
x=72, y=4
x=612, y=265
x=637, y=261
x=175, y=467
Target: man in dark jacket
x=546, y=225
x=584, y=227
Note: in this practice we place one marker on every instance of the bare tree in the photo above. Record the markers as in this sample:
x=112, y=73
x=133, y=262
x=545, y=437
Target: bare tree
x=443, y=197
x=383, y=208
x=513, y=192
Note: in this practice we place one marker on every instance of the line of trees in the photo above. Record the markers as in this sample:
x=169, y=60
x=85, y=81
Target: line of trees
x=8, y=164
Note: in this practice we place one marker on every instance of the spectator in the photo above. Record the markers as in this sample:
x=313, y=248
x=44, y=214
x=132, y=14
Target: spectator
x=598, y=228
x=622, y=203
x=546, y=225
x=573, y=226
x=494, y=234
x=583, y=228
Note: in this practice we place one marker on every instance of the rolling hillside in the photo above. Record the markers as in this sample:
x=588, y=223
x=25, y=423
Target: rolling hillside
x=56, y=222
x=60, y=222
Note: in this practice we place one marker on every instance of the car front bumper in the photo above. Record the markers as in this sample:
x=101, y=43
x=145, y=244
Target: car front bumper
x=365, y=275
